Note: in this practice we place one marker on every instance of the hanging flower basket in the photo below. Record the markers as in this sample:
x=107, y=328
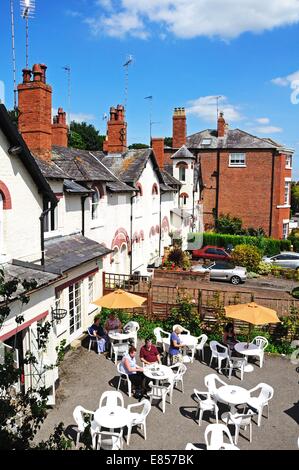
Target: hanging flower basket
x=58, y=314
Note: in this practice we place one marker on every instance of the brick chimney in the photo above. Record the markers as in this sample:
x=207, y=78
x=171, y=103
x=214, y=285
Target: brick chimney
x=35, y=108
x=179, y=129
x=221, y=126
x=59, y=129
x=116, y=140
x=157, y=145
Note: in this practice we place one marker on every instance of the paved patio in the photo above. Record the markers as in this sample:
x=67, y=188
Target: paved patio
x=85, y=375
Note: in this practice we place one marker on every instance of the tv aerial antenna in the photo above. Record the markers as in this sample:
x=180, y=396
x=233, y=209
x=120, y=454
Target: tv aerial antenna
x=217, y=98
x=150, y=100
x=12, y=17
x=67, y=69
x=27, y=12
x=127, y=64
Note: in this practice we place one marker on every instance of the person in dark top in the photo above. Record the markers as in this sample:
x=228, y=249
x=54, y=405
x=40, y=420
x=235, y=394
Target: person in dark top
x=97, y=330
x=149, y=353
x=229, y=336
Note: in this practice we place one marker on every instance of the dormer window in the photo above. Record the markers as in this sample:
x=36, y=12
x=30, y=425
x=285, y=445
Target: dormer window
x=206, y=142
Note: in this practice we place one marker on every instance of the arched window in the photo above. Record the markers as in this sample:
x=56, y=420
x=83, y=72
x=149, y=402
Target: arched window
x=95, y=199
x=155, y=190
x=182, y=166
x=183, y=199
x=140, y=190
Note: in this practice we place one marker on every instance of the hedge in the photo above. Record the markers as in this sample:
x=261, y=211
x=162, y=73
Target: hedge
x=268, y=246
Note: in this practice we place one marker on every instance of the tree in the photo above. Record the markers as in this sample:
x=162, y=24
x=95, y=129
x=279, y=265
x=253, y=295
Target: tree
x=168, y=142
x=228, y=225
x=90, y=138
x=21, y=414
x=294, y=198
x=138, y=146
x=248, y=256
x=14, y=115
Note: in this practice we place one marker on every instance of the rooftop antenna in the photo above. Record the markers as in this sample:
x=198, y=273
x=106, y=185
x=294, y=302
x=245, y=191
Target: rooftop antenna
x=13, y=53
x=67, y=69
x=128, y=62
x=217, y=104
x=27, y=11
x=150, y=99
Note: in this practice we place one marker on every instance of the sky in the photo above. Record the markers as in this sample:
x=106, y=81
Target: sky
x=185, y=53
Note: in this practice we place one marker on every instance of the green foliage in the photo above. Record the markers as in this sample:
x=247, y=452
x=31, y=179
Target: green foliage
x=138, y=146
x=56, y=441
x=228, y=224
x=86, y=136
x=14, y=115
x=184, y=314
x=267, y=246
x=255, y=232
x=247, y=256
x=177, y=258
x=294, y=198
x=264, y=268
x=168, y=142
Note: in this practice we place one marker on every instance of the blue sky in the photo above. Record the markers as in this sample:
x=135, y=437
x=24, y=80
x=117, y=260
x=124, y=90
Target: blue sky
x=185, y=53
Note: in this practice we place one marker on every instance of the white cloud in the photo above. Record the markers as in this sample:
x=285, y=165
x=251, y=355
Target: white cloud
x=268, y=129
x=226, y=19
x=77, y=117
x=286, y=81
x=205, y=108
x=263, y=120
x=2, y=92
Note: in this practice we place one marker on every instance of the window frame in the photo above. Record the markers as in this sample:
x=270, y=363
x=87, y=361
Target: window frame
x=289, y=162
x=51, y=218
x=287, y=191
x=234, y=164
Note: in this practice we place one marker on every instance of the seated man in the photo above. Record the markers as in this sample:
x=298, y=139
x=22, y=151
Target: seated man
x=149, y=353
x=97, y=330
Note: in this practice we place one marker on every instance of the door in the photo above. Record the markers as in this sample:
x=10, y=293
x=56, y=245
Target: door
x=220, y=271
x=6, y=349
x=75, y=310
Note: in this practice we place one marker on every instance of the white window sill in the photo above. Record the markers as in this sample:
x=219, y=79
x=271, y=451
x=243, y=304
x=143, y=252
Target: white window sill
x=52, y=234
x=288, y=167
x=284, y=206
x=231, y=165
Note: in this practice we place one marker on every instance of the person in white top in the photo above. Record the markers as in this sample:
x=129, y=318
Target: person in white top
x=135, y=372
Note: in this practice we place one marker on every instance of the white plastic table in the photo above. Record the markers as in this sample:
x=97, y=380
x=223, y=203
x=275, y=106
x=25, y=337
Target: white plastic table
x=114, y=335
x=187, y=340
x=233, y=395
x=158, y=372
x=247, y=350
x=112, y=417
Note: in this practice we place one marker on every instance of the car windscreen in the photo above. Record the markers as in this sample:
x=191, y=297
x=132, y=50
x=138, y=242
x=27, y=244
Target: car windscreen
x=224, y=266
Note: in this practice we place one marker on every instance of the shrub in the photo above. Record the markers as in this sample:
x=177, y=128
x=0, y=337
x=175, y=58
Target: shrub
x=247, y=256
x=252, y=275
x=177, y=258
x=184, y=314
x=264, y=268
x=228, y=224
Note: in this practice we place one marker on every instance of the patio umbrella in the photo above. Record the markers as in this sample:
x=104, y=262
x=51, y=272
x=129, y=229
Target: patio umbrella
x=120, y=299
x=252, y=313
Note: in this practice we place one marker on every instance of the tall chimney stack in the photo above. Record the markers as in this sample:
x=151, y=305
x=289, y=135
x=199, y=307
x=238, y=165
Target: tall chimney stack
x=179, y=132
x=221, y=126
x=35, y=108
x=157, y=145
x=116, y=140
x=59, y=129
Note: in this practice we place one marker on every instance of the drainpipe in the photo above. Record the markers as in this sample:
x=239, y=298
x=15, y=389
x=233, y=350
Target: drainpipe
x=217, y=185
x=42, y=233
x=160, y=224
x=83, y=198
x=272, y=195
x=131, y=232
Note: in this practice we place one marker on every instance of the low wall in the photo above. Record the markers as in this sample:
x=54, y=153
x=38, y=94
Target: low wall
x=181, y=275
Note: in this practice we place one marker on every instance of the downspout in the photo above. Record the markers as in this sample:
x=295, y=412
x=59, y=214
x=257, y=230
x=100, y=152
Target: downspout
x=272, y=195
x=160, y=224
x=217, y=185
x=42, y=233
x=131, y=233
x=193, y=210
x=83, y=198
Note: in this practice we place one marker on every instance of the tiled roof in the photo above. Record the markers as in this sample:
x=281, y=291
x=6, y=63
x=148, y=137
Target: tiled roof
x=129, y=165
x=234, y=138
x=65, y=253
x=72, y=187
x=182, y=153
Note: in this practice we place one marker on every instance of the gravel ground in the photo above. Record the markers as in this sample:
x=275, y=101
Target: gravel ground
x=85, y=375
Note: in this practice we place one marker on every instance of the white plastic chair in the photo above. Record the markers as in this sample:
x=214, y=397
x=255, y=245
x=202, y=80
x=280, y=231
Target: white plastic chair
x=221, y=355
x=214, y=437
x=132, y=327
x=111, y=398
x=205, y=405
x=78, y=415
x=110, y=440
x=179, y=374
x=240, y=421
x=125, y=377
x=138, y=419
x=160, y=392
x=211, y=381
x=159, y=338
x=236, y=363
x=200, y=347
x=92, y=340
x=262, y=343
x=182, y=328
x=119, y=349
x=258, y=403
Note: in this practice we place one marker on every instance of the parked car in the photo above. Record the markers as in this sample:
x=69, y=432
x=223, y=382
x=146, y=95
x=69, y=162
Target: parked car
x=285, y=259
x=223, y=271
x=211, y=252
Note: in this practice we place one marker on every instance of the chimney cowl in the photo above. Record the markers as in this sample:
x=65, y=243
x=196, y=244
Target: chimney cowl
x=26, y=75
x=37, y=73
x=43, y=69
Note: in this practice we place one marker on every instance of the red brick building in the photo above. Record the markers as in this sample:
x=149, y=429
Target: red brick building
x=241, y=174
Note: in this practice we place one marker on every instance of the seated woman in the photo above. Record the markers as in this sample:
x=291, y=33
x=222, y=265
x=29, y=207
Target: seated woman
x=135, y=372
x=149, y=354
x=229, y=336
x=112, y=323
x=97, y=330
x=175, y=346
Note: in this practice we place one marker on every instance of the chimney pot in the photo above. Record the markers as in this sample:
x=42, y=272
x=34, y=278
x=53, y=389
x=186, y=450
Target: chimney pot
x=221, y=125
x=37, y=73
x=26, y=75
x=43, y=69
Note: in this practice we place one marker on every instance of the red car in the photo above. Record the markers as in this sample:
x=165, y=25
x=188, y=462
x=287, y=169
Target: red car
x=211, y=252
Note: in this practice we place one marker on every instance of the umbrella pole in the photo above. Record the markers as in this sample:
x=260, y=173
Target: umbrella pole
x=249, y=331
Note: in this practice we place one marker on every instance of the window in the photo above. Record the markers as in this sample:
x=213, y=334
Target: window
x=182, y=173
x=183, y=199
x=237, y=159
x=289, y=161
x=95, y=199
x=206, y=142
x=91, y=288
x=211, y=251
x=285, y=230
x=75, y=306
x=287, y=193
x=51, y=218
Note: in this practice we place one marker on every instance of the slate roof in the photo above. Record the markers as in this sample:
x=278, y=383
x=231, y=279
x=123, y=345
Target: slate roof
x=182, y=153
x=234, y=138
x=168, y=178
x=27, y=271
x=129, y=165
x=65, y=253
x=72, y=187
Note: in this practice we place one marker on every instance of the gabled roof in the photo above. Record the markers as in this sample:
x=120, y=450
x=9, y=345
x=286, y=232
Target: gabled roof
x=15, y=139
x=183, y=153
x=72, y=187
x=233, y=139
